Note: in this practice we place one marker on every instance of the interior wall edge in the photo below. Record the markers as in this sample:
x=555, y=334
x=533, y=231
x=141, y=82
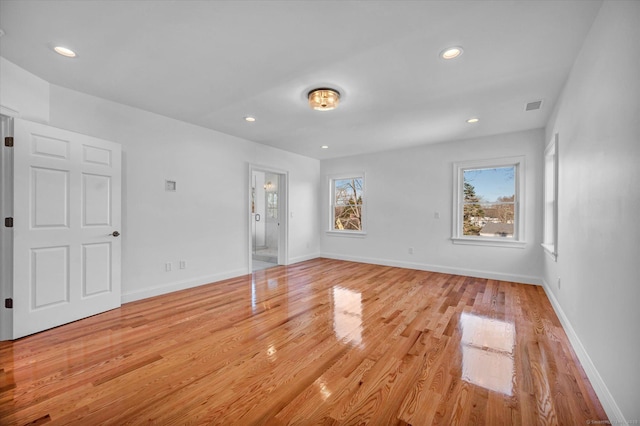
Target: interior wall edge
x=599, y=386
x=521, y=279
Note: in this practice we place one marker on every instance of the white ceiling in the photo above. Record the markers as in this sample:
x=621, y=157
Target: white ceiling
x=211, y=63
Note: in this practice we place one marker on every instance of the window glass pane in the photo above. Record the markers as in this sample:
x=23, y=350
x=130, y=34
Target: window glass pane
x=550, y=203
x=272, y=204
x=347, y=208
x=489, y=202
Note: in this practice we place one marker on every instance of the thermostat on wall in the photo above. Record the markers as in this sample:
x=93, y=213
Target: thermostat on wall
x=169, y=185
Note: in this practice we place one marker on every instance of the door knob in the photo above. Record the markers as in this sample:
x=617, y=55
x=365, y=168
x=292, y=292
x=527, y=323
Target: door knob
x=115, y=234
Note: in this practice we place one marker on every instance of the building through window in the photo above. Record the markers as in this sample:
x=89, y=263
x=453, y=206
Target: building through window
x=488, y=201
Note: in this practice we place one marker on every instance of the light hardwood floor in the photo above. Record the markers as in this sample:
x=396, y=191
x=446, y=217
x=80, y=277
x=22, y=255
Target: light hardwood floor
x=322, y=341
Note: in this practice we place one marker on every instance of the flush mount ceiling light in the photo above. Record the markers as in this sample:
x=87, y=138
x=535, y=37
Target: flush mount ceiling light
x=325, y=147
x=64, y=51
x=249, y=119
x=323, y=99
x=473, y=120
x=451, y=52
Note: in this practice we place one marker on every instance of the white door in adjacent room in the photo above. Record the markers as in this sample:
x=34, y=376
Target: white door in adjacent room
x=66, y=227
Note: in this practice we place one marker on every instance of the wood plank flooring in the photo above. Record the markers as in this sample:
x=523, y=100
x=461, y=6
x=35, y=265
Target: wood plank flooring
x=318, y=342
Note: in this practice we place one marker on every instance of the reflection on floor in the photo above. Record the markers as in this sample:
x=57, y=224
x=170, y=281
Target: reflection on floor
x=487, y=352
x=317, y=342
x=266, y=254
x=259, y=265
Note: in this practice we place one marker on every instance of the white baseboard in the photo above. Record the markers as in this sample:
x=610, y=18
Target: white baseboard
x=195, y=282
x=606, y=399
x=524, y=279
x=304, y=258
x=179, y=285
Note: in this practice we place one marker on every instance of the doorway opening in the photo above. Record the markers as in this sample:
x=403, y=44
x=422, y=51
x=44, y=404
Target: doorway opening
x=268, y=219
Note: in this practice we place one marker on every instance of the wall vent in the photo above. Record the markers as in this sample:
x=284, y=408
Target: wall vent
x=532, y=106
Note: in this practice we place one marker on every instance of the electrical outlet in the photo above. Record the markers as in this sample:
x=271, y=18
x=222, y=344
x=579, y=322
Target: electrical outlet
x=167, y=267
x=436, y=215
x=410, y=250
x=183, y=264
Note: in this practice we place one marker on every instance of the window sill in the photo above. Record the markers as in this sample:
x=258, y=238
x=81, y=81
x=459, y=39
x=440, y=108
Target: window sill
x=550, y=250
x=493, y=242
x=352, y=234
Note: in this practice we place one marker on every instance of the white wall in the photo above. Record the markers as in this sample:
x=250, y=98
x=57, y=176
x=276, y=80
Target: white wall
x=22, y=94
x=599, y=200
x=205, y=222
x=405, y=188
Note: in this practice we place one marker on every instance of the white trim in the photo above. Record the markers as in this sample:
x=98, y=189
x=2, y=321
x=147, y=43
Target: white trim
x=283, y=212
x=520, y=190
x=487, y=241
x=180, y=285
x=599, y=386
x=346, y=233
x=516, y=278
x=303, y=258
x=6, y=234
x=551, y=247
x=10, y=112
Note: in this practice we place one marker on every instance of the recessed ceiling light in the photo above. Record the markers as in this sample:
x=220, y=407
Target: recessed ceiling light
x=65, y=51
x=451, y=52
x=473, y=120
x=250, y=119
x=325, y=147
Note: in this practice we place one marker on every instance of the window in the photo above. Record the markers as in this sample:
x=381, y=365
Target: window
x=488, y=202
x=272, y=205
x=550, y=238
x=347, y=204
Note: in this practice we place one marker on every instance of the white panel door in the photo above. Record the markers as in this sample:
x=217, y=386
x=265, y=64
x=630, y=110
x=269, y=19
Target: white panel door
x=66, y=214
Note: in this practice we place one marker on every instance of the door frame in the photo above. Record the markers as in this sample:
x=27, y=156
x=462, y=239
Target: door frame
x=283, y=212
x=6, y=234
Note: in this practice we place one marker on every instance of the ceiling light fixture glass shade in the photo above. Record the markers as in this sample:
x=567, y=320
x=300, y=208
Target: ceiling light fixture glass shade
x=324, y=99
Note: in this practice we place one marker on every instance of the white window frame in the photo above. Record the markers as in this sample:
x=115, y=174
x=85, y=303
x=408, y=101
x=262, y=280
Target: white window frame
x=363, y=218
x=518, y=240
x=551, y=165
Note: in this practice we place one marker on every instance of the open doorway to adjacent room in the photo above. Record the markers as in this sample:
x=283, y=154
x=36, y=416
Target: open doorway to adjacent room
x=268, y=218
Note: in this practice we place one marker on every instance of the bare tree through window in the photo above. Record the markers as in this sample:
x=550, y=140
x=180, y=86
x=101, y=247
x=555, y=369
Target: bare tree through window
x=347, y=204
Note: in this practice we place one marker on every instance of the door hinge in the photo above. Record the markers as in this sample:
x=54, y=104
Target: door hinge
x=8, y=303
x=8, y=222
x=8, y=141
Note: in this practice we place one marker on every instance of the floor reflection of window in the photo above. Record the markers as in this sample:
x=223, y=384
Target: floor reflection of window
x=487, y=352
x=347, y=315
